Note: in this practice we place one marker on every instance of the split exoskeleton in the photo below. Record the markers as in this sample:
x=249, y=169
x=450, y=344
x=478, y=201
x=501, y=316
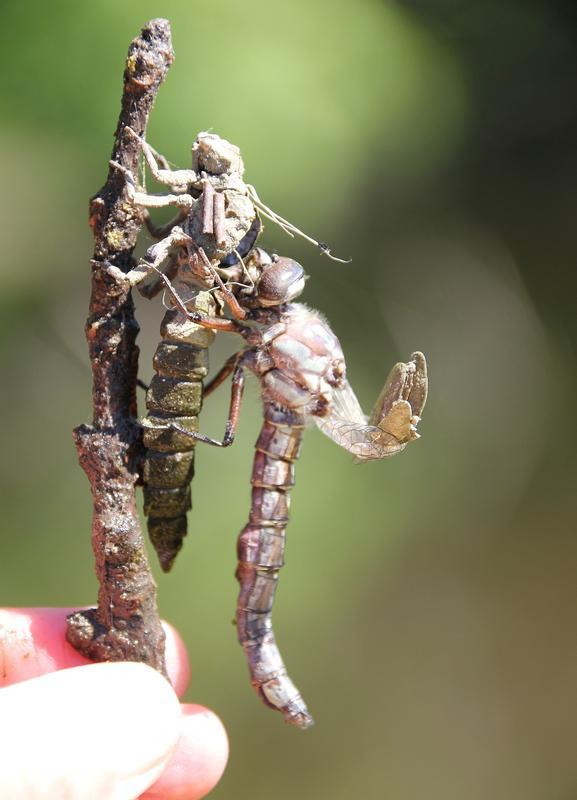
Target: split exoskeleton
x=216, y=215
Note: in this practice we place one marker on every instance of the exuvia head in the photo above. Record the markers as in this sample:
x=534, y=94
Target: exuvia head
x=280, y=281
x=217, y=156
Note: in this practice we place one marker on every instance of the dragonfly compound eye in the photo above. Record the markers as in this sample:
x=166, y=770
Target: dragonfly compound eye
x=280, y=282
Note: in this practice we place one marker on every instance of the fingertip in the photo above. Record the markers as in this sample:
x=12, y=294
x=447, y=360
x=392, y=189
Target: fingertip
x=198, y=762
x=177, y=663
x=101, y=730
x=33, y=643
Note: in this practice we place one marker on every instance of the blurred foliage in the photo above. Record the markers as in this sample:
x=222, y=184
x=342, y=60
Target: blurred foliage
x=427, y=610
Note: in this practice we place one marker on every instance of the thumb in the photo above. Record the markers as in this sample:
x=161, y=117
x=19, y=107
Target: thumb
x=96, y=732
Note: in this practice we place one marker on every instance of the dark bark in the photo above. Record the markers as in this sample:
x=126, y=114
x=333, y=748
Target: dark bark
x=125, y=625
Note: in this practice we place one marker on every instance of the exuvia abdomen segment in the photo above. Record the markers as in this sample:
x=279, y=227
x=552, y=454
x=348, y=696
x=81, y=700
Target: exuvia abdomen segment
x=174, y=397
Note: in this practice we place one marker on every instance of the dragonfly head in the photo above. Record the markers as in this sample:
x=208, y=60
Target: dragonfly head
x=277, y=280
x=280, y=282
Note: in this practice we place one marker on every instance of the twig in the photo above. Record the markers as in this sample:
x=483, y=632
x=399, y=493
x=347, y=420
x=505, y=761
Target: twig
x=125, y=625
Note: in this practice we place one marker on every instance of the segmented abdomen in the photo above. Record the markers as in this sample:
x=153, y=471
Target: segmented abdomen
x=174, y=396
x=260, y=555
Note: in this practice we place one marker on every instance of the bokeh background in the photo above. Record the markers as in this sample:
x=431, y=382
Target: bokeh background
x=428, y=610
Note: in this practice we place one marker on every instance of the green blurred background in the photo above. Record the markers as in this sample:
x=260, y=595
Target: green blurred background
x=428, y=608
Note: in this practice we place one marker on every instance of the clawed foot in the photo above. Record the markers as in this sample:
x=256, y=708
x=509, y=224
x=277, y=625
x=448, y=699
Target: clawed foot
x=125, y=171
x=133, y=133
x=117, y=275
x=127, y=280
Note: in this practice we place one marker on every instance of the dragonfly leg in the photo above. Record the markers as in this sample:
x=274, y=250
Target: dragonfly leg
x=152, y=260
x=221, y=375
x=153, y=285
x=185, y=201
x=233, y=365
x=160, y=231
x=178, y=179
x=205, y=321
x=237, y=311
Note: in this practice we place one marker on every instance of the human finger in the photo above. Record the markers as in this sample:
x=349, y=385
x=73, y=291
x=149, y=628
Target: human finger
x=86, y=733
x=33, y=642
x=199, y=760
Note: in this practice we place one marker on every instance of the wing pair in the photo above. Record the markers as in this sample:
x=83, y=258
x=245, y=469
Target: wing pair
x=393, y=422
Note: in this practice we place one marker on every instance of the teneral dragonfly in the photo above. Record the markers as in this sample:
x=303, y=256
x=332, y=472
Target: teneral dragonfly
x=301, y=368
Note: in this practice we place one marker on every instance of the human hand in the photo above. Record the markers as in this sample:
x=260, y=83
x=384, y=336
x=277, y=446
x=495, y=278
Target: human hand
x=74, y=729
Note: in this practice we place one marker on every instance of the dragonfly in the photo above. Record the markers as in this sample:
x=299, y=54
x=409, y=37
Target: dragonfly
x=218, y=222
x=301, y=369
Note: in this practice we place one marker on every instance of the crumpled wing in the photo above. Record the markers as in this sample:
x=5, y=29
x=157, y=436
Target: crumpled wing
x=406, y=381
x=393, y=422
x=347, y=426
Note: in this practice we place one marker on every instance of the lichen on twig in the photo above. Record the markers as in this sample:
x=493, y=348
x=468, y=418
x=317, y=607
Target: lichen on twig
x=125, y=625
